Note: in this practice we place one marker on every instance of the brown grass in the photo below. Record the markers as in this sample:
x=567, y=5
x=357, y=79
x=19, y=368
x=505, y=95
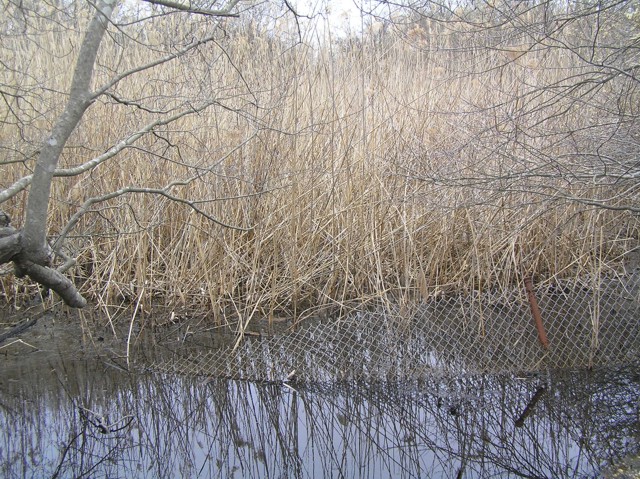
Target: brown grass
x=348, y=183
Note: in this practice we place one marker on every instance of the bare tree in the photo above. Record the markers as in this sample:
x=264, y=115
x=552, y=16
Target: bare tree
x=29, y=248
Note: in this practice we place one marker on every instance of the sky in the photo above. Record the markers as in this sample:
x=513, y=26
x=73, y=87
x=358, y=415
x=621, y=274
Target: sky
x=342, y=16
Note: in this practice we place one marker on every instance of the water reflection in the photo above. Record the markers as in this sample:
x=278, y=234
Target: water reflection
x=87, y=418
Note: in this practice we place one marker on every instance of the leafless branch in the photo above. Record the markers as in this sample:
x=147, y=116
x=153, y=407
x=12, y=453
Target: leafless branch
x=115, y=80
x=25, y=181
x=224, y=12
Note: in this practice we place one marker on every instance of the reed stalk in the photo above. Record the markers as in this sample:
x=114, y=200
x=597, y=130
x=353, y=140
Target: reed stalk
x=348, y=185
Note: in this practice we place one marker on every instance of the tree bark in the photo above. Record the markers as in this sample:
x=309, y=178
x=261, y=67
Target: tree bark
x=9, y=244
x=52, y=279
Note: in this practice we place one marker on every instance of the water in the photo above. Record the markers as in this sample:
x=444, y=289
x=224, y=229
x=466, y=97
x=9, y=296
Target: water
x=68, y=408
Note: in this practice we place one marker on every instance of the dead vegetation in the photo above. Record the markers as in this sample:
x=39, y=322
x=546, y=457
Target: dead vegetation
x=372, y=168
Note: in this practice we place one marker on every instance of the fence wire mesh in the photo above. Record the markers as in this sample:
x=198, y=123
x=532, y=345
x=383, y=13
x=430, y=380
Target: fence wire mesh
x=592, y=322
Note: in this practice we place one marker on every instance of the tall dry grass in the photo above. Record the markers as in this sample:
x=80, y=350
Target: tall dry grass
x=389, y=169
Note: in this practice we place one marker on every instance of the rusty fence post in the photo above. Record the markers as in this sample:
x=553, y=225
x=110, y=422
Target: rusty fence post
x=535, y=311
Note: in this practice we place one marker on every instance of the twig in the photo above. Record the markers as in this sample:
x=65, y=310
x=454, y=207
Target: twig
x=19, y=329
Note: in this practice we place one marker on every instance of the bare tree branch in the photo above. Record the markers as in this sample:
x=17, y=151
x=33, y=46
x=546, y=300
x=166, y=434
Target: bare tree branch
x=9, y=244
x=116, y=79
x=25, y=181
x=28, y=248
x=224, y=12
x=193, y=204
x=52, y=279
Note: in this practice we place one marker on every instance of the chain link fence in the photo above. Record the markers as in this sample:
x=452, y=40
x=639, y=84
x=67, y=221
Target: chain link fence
x=592, y=322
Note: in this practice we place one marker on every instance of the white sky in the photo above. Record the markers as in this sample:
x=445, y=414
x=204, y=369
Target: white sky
x=341, y=15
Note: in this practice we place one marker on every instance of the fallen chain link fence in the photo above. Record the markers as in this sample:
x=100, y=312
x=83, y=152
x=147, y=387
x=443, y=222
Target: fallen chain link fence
x=587, y=323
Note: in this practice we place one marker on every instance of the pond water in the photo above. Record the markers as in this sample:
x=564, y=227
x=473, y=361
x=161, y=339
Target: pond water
x=70, y=408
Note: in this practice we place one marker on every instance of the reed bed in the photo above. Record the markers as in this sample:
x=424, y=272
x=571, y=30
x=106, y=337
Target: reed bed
x=354, y=171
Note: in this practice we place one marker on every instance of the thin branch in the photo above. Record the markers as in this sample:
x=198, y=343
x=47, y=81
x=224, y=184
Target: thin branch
x=156, y=191
x=135, y=104
x=160, y=191
x=225, y=12
x=107, y=86
x=25, y=181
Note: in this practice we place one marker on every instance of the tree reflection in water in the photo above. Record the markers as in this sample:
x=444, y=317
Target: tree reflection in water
x=72, y=419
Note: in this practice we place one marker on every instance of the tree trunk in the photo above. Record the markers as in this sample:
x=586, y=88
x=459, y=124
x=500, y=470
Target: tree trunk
x=28, y=249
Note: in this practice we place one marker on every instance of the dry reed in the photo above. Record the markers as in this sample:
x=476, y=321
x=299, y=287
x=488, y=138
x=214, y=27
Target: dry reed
x=368, y=171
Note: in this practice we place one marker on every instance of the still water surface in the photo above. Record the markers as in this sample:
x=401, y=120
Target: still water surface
x=70, y=411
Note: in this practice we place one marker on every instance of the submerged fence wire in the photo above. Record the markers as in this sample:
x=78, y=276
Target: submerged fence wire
x=592, y=322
